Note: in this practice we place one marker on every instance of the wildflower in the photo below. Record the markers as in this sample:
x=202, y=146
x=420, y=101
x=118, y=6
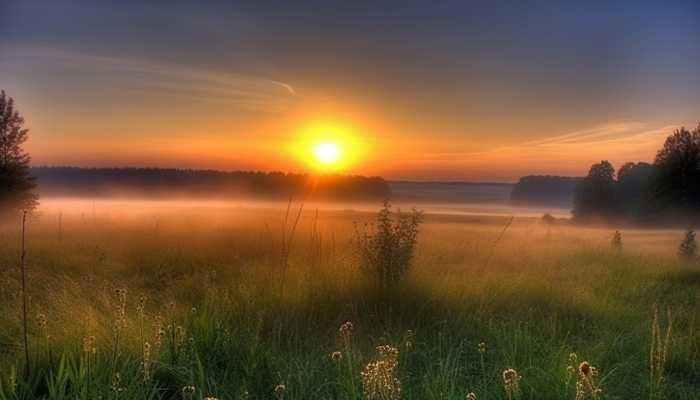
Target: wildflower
x=345, y=332
x=584, y=368
x=388, y=352
x=41, y=322
x=141, y=306
x=482, y=347
x=116, y=383
x=279, y=391
x=379, y=380
x=511, y=383
x=188, y=392
x=89, y=345
x=159, y=331
x=120, y=317
x=585, y=382
x=146, y=361
x=336, y=356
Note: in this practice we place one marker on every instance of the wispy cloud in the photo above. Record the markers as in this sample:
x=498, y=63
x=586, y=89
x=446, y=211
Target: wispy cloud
x=145, y=76
x=570, y=153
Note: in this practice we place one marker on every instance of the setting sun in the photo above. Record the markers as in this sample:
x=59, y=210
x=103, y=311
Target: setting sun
x=327, y=146
x=327, y=152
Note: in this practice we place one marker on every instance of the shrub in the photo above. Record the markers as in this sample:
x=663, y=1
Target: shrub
x=616, y=241
x=386, y=248
x=688, y=250
x=548, y=219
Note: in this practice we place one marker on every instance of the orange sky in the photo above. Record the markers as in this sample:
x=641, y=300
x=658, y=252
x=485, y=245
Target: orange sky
x=417, y=93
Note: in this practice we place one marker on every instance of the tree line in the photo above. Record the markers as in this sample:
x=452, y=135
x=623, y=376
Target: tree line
x=162, y=182
x=18, y=181
x=666, y=191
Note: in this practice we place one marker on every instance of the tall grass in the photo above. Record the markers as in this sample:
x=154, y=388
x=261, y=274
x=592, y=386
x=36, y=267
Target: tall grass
x=201, y=315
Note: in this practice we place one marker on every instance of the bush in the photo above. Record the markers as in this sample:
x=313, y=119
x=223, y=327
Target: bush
x=616, y=241
x=688, y=250
x=386, y=248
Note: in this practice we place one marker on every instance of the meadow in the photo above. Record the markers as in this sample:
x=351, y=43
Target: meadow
x=154, y=301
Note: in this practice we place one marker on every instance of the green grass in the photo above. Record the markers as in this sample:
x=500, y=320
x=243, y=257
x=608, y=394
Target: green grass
x=540, y=294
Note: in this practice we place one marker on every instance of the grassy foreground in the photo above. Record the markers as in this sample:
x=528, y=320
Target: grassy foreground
x=192, y=303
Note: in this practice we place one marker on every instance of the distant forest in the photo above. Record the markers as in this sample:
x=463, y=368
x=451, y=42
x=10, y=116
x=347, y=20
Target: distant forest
x=665, y=192
x=185, y=183
x=545, y=190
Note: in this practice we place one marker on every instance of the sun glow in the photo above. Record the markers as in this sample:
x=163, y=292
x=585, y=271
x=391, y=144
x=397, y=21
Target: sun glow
x=328, y=147
x=327, y=152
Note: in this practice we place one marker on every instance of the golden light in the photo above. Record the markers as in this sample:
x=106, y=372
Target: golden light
x=327, y=152
x=328, y=147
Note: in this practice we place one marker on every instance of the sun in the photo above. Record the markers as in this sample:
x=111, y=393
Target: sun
x=327, y=153
x=326, y=147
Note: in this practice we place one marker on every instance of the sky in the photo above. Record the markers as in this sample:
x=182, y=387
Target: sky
x=431, y=90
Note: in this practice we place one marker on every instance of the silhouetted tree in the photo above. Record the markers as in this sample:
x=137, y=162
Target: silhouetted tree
x=633, y=187
x=676, y=185
x=595, y=194
x=155, y=182
x=16, y=182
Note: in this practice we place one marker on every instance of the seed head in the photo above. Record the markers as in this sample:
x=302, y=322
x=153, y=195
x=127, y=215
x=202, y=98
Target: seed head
x=336, y=356
x=280, y=389
x=584, y=368
x=188, y=392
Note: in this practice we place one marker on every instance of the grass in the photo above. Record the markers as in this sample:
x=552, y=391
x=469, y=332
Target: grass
x=185, y=302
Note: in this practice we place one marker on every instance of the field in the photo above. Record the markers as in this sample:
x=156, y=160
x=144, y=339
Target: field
x=154, y=301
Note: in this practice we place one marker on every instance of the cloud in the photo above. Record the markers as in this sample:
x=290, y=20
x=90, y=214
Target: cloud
x=569, y=153
x=148, y=77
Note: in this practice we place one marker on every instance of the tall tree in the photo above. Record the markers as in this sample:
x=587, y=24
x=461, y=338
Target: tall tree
x=16, y=183
x=632, y=189
x=595, y=194
x=676, y=185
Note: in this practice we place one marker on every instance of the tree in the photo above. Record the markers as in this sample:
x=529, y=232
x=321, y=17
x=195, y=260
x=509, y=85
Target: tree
x=16, y=183
x=595, y=194
x=676, y=185
x=633, y=187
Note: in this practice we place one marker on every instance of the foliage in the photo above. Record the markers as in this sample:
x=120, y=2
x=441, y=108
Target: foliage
x=169, y=183
x=632, y=188
x=386, y=248
x=667, y=191
x=677, y=181
x=544, y=190
x=595, y=194
x=688, y=249
x=16, y=182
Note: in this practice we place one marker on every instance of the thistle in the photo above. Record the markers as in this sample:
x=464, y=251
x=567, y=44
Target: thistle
x=511, y=383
